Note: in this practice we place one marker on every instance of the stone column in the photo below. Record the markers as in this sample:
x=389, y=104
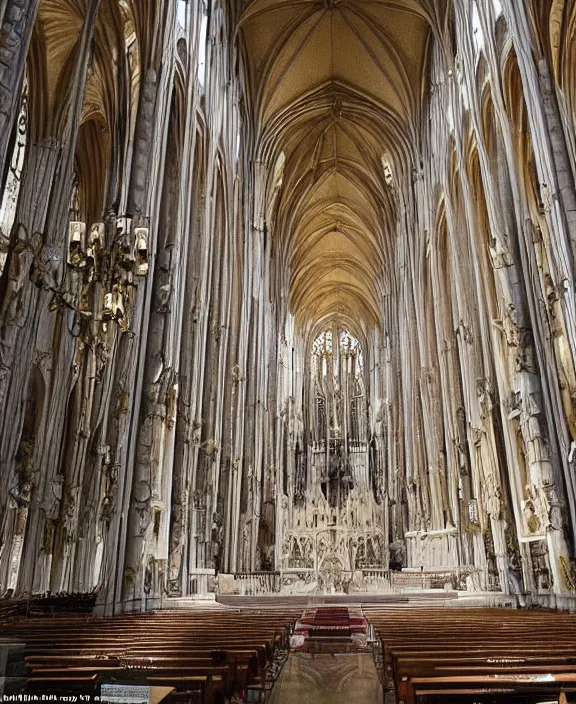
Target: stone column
x=17, y=18
x=27, y=326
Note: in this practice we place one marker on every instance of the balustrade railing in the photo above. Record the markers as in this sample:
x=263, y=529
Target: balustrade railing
x=367, y=580
x=258, y=583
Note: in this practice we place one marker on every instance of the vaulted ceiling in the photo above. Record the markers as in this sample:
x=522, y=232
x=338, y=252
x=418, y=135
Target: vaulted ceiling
x=337, y=87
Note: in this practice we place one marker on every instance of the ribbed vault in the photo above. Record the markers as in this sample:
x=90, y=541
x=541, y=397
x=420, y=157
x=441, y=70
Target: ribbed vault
x=337, y=88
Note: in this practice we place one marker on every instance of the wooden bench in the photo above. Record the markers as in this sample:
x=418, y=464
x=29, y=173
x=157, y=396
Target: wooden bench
x=467, y=654
x=207, y=654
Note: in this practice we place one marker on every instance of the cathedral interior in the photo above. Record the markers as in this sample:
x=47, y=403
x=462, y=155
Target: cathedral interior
x=288, y=317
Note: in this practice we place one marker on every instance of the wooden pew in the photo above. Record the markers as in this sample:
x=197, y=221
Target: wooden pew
x=431, y=654
x=204, y=653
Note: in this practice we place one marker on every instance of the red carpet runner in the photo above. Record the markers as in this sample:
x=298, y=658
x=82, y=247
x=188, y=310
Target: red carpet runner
x=330, y=629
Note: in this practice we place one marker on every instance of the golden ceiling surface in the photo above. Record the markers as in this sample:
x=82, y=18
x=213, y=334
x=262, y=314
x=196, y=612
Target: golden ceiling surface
x=337, y=88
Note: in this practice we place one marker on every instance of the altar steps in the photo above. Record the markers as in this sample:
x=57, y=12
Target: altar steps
x=308, y=600
x=330, y=629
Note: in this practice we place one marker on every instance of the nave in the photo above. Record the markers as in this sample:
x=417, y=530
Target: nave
x=287, y=298
x=408, y=652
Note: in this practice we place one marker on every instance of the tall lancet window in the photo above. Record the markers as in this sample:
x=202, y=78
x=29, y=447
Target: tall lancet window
x=321, y=362
x=352, y=374
x=338, y=413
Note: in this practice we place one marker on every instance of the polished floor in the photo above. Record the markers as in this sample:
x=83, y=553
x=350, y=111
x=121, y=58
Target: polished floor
x=341, y=678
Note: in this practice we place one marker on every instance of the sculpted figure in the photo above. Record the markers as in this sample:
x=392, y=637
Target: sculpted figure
x=554, y=506
x=142, y=503
x=530, y=518
x=526, y=358
x=20, y=262
x=484, y=392
x=217, y=540
x=509, y=325
x=540, y=567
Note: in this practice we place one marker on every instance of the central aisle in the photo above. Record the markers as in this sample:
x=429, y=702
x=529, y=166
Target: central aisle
x=339, y=678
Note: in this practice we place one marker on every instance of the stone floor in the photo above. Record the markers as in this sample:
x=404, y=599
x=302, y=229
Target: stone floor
x=341, y=678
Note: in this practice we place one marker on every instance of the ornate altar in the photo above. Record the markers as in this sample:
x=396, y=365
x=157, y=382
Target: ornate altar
x=331, y=525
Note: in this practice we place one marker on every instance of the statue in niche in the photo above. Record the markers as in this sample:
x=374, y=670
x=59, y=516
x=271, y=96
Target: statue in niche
x=539, y=504
x=147, y=581
x=322, y=548
x=530, y=516
x=217, y=540
x=372, y=552
x=515, y=570
x=108, y=500
x=69, y=510
x=553, y=506
x=142, y=503
x=164, y=284
x=540, y=567
x=330, y=575
x=360, y=557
